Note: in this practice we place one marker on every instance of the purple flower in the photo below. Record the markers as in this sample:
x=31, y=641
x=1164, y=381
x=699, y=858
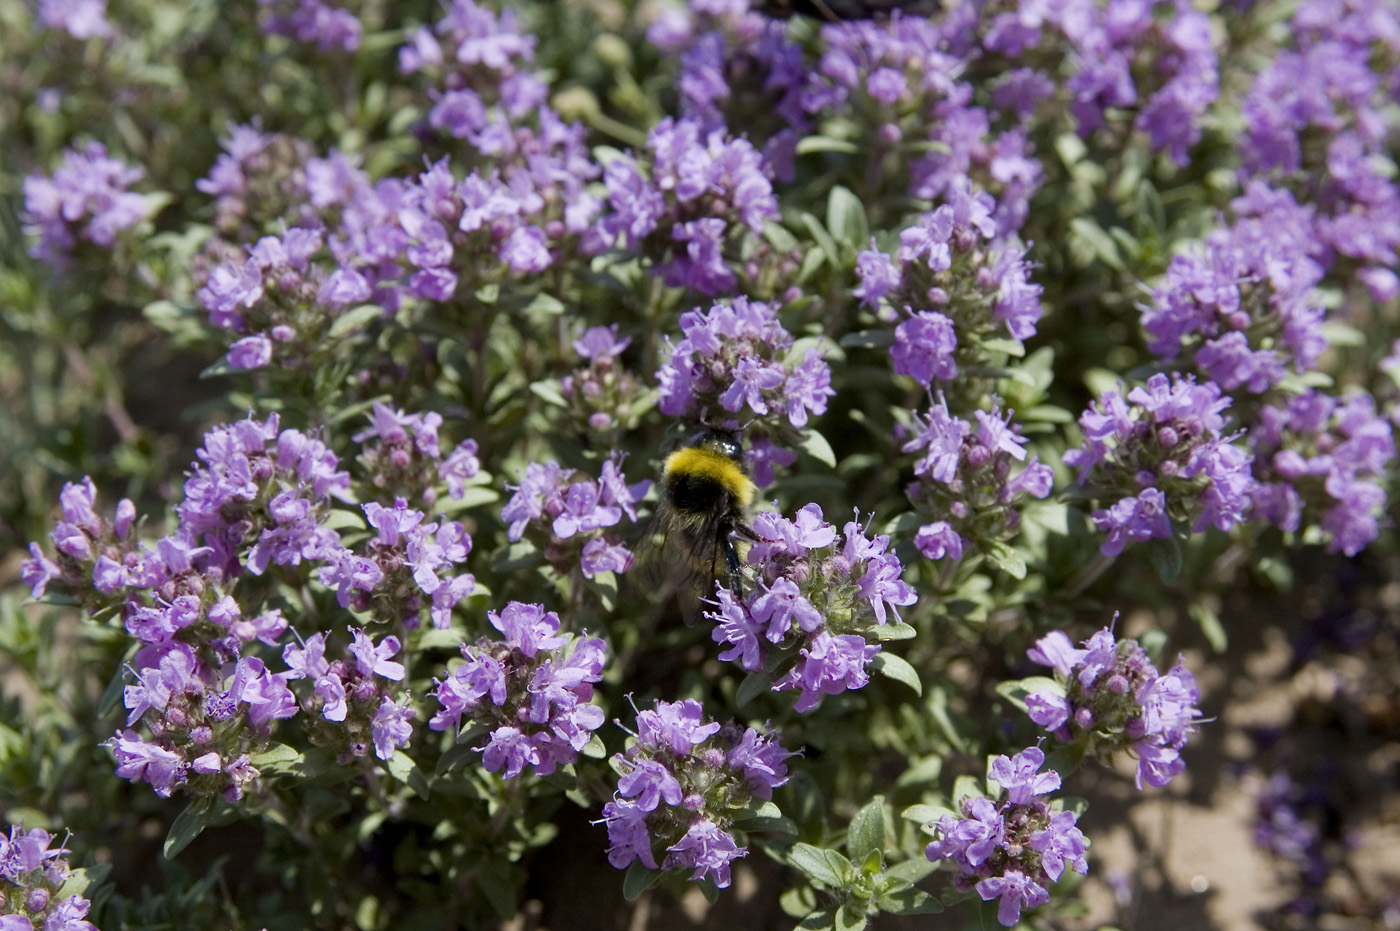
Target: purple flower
x=923, y=348
x=526, y=250
x=685, y=778
x=1113, y=695
x=390, y=727
x=373, y=660
x=528, y=628
x=828, y=665
x=628, y=837
x=736, y=356
x=81, y=19
x=707, y=849
x=650, y=783
x=140, y=761
x=1020, y=777
x=85, y=199
x=1016, y=891
x=1012, y=849
x=510, y=749
x=251, y=352
x=676, y=725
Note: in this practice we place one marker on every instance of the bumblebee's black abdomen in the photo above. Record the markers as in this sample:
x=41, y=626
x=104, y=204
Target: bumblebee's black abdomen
x=699, y=494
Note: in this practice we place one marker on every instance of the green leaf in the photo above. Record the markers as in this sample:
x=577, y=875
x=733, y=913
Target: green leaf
x=754, y=685
x=810, y=144
x=968, y=786
x=1098, y=242
x=823, y=238
x=188, y=825
x=277, y=758
x=1165, y=557
x=354, y=319
x=545, y=304
x=848, y=919
x=927, y=814
x=898, y=669
x=548, y=392
x=1342, y=334
x=825, y=866
x=1016, y=691
x=909, y=901
x=798, y=901
x=1012, y=347
x=497, y=885
x=868, y=339
x=845, y=217
x=779, y=237
x=594, y=749
x=79, y=881
x=816, y=446
x=779, y=825
x=867, y=831
x=1006, y=558
x=475, y=496
x=638, y=880
x=911, y=871
x=896, y=630
x=1210, y=625
x=403, y=768
x=824, y=920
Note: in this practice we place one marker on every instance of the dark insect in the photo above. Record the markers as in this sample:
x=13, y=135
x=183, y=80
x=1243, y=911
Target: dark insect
x=838, y=10
x=705, y=493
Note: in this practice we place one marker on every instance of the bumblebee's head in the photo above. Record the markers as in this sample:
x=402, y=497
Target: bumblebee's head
x=727, y=443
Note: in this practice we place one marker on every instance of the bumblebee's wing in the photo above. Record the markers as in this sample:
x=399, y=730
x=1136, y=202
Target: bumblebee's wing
x=681, y=555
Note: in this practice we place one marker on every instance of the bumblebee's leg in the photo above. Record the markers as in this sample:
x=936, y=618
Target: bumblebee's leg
x=747, y=532
x=731, y=561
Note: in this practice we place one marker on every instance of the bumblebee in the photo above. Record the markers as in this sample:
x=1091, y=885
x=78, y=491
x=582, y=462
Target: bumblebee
x=839, y=10
x=704, y=497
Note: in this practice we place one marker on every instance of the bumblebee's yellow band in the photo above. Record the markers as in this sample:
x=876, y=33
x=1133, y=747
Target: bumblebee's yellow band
x=702, y=463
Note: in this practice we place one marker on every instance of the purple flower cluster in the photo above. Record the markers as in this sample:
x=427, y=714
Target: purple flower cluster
x=258, y=499
x=1152, y=56
x=965, y=475
x=279, y=302
x=896, y=81
x=85, y=200
x=258, y=180
x=736, y=361
x=816, y=601
x=1321, y=463
x=353, y=241
x=738, y=68
x=1243, y=305
x=568, y=515
x=1288, y=823
x=1162, y=454
x=951, y=283
x=1013, y=848
x=531, y=690
x=406, y=459
x=685, y=204
x=31, y=876
x=411, y=564
x=1316, y=121
x=477, y=64
x=81, y=19
x=349, y=694
x=683, y=780
x=1110, y=697
x=602, y=396
x=327, y=26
